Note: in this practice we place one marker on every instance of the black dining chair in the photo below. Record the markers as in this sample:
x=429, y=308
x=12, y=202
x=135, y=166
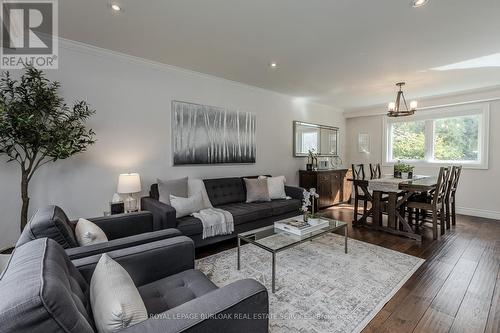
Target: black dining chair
x=360, y=193
x=450, y=202
x=375, y=172
x=432, y=205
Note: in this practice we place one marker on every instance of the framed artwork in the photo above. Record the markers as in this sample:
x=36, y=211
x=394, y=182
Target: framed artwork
x=363, y=143
x=204, y=134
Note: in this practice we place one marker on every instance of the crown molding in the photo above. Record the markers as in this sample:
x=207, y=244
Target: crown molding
x=76, y=46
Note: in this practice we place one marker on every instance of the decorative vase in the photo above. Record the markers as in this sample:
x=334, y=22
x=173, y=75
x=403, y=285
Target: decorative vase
x=306, y=216
x=397, y=174
x=410, y=175
x=309, y=166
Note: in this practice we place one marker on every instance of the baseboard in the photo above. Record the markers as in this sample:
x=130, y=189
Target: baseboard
x=489, y=214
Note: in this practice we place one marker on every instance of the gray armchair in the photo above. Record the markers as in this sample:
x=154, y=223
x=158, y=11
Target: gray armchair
x=122, y=231
x=43, y=291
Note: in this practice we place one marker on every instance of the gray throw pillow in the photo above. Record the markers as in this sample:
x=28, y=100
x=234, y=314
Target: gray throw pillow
x=115, y=300
x=176, y=187
x=257, y=190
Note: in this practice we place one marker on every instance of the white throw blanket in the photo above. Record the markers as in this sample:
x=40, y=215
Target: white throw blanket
x=215, y=222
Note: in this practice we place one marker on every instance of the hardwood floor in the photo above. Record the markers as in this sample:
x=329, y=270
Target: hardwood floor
x=457, y=289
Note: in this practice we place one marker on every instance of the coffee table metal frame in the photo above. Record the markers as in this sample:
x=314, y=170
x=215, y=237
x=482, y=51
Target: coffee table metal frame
x=247, y=237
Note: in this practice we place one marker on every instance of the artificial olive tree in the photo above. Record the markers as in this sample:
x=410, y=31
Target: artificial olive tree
x=37, y=127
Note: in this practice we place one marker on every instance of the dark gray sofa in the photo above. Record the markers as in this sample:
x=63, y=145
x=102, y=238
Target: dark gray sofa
x=228, y=194
x=42, y=290
x=122, y=231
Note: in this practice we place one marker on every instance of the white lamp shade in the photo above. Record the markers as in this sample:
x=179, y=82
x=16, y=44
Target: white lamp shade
x=129, y=183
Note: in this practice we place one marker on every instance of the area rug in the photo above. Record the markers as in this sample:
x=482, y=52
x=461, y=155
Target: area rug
x=319, y=288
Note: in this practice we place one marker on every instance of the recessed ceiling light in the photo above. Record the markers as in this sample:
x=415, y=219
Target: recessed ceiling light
x=273, y=65
x=418, y=3
x=115, y=7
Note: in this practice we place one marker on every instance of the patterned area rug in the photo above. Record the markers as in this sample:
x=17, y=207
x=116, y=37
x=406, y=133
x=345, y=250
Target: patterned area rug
x=319, y=288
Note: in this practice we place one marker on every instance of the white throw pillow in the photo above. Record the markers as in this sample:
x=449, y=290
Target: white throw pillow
x=115, y=300
x=276, y=186
x=186, y=206
x=88, y=233
x=196, y=186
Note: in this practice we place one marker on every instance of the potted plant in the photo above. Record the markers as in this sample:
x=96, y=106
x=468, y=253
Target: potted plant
x=312, y=160
x=308, y=200
x=403, y=170
x=37, y=127
x=399, y=167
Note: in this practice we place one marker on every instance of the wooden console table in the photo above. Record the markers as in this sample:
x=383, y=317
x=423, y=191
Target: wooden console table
x=331, y=185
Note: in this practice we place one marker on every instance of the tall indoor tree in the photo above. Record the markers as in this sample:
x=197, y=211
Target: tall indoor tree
x=38, y=127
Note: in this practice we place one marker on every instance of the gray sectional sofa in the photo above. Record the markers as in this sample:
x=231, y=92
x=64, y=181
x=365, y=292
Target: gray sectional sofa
x=122, y=231
x=42, y=290
x=228, y=194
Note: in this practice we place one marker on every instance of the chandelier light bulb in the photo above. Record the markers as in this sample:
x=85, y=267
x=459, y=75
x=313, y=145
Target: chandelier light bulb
x=392, y=106
x=413, y=105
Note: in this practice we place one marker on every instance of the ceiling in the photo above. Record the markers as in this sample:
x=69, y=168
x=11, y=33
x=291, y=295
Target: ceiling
x=345, y=53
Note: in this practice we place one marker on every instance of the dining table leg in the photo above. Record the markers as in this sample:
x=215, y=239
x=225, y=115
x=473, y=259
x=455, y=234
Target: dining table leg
x=391, y=210
x=377, y=209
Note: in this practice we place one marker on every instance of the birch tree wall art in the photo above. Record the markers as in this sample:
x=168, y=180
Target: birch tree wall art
x=203, y=134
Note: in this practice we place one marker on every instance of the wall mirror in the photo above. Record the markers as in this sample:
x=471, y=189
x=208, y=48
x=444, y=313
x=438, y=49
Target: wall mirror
x=323, y=139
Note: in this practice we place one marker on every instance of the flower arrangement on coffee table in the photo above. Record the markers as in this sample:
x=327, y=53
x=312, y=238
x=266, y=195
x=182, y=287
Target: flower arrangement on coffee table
x=308, y=201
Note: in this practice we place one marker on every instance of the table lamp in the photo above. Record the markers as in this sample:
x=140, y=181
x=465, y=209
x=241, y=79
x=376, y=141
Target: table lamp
x=129, y=183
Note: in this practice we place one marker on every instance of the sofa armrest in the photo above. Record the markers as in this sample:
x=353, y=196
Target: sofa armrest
x=163, y=214
x=121, y=243
x=242, y=306
x=147, y=262
x=295, y=192
x=124, y=225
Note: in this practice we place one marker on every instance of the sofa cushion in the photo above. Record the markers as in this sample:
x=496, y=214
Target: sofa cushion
x=222, y=191
x=247, y=212
x=189, y=225
x=242, y=213
x=283, y=206
x=174, y=290
x=41, y=290
x=51, y=222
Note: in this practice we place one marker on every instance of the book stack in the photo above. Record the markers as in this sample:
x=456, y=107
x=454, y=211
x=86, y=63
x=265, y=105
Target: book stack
x=299, y=227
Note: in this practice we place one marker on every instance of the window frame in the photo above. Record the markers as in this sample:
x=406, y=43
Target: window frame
x=429, y=116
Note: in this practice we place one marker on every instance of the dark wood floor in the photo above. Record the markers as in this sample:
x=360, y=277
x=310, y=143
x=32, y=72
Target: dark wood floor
x=457, y=289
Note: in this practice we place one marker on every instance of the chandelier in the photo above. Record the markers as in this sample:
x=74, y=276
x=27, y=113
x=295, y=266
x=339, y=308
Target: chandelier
x=400, y=108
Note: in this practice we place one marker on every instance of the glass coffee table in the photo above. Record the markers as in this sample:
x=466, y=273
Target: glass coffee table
x=275, y=240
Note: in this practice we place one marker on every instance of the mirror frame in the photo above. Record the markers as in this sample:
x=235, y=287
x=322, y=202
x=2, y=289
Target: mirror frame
x=297, y=122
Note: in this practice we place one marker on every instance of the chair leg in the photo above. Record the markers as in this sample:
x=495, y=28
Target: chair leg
x=442, y=218
x=365, y=206
x=447, y=215
x=434, y=225
x=453, y=213
x=356, y=202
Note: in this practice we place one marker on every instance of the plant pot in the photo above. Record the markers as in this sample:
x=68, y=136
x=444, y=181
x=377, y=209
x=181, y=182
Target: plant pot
x=306, y=216
x=404, y=175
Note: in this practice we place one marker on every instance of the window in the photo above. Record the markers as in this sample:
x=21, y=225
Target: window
x=448, y=135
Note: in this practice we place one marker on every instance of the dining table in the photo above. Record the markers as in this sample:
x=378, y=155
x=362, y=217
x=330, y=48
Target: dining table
x=388, y=195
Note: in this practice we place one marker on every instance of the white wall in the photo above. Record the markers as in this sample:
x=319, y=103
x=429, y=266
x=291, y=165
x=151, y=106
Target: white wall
x=132, y=98
x=478, y=189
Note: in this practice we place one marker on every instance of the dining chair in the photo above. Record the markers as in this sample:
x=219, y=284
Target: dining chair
x=456, y=171
x=375, y=172
x=360, y=193
x=433, y=204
